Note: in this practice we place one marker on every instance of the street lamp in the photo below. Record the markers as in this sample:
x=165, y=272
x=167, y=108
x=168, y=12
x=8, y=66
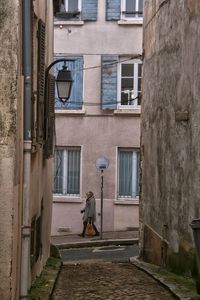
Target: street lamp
x=63, y=81
x=102, y=164
x=64, y=84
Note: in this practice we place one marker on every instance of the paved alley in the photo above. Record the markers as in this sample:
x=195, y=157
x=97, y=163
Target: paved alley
x=107, y=281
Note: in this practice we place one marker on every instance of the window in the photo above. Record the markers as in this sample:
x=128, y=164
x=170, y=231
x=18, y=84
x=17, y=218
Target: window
x=67, y=172
x=132, y=9
x=67, y=9
x=128, y=173
x=130, y=83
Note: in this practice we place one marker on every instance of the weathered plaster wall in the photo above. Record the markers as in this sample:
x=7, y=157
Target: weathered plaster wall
x=11, y=149
x=66, y=211
x=170, y=119
x=9, y=37
x=41, y=170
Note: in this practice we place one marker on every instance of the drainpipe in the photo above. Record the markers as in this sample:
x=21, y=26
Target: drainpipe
x=27, y=73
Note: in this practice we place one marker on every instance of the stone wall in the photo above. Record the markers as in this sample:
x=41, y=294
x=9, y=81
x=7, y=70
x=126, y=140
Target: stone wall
x=11, y=148
x=170, y=120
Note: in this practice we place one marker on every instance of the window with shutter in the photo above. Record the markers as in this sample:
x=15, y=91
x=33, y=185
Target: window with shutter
x=109, y=65
x=50, y=117
x=113, y=10
x=33, y=240
x=75, y=65
x=36, y=239
x=89, y=10
x=34, y=114
x=41, y=81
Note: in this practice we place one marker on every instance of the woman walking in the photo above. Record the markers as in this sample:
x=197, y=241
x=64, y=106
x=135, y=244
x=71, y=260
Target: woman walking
x=89, y=213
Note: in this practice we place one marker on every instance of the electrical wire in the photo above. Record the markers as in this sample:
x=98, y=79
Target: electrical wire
x=78, y=103
x=157, y=11
x=138, y=56
x=112, y=63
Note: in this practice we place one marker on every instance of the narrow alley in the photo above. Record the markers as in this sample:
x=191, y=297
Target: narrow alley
x=107, y=281
x=99, y=149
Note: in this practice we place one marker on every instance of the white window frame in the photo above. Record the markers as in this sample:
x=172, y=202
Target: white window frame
x=79, y=5
x=123, y=10
x=134, y=177
x=65, y=163
x=134, y=93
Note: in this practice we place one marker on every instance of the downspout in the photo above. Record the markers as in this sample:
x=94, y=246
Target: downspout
x=27, y=73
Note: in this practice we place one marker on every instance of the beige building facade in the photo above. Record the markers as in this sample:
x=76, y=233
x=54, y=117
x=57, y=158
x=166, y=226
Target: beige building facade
x=25, y=176
x=170, y=131
x=102, y=116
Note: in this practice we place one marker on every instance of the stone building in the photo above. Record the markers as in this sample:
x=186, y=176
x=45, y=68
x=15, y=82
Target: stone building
x=103, y=41
x=170, y=130
x=25, y=170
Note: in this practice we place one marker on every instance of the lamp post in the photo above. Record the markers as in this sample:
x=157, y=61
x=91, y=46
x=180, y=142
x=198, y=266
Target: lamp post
x=63, y=81
x=64, y=85
x=102, y=164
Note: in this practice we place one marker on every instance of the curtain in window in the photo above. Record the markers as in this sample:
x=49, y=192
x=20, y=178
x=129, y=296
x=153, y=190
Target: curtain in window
x=125, y=174
x=73, y=172
x=72, y=5
x=129, y=174
x=67, y=172
x=134, y=174
x=58, y=172
x=141, y=4
x=138, y=174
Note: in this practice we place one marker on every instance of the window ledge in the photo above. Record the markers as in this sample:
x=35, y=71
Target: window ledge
x=132, y=111
x=72, y=23
x=69, y=112
x=131, y=22
x=66, y=199
x=125, y=201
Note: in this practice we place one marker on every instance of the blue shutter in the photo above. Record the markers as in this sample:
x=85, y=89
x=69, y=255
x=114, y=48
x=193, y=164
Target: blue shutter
x=113, y=10
x=89, y=10
x=76, y=99
x=109, y=81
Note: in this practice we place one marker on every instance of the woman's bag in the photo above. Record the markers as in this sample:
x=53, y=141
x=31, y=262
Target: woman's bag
x=89, y=230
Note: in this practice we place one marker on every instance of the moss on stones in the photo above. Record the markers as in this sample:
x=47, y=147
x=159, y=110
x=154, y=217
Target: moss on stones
x=183, y=263
x=43, y=286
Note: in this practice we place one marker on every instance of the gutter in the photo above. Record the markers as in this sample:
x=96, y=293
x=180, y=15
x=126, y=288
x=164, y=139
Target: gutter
x=27, y=73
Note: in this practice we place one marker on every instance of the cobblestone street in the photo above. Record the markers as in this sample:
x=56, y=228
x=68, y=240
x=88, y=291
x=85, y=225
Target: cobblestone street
x=105, y=280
